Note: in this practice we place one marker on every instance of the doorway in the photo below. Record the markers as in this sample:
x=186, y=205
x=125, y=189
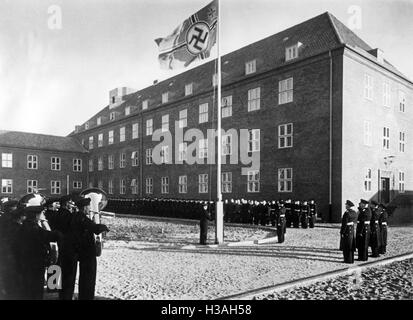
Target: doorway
x=385, y=190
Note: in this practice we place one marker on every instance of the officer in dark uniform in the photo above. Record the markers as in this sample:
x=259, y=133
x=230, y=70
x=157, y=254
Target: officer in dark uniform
x=203, y=223
x=312, y=215
x=288, y=212
x=347, y=240
x=296, y=214
x=255, y=212
x=363, y=230
x=383, y=228
x=304, y=215
x=375, y=237
x=246, y=216
x=281, y=222
x=273, y=207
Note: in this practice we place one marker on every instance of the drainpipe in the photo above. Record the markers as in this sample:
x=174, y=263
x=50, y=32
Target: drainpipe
x=330, y=165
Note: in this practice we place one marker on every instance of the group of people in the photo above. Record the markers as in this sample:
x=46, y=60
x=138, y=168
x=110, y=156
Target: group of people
x=36, y=233
x=363, y=229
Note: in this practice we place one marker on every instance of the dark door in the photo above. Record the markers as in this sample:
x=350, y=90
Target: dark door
x=385, y=190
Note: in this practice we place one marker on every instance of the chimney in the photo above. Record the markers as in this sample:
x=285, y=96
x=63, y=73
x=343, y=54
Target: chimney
x=155, y=82
x=378, y=53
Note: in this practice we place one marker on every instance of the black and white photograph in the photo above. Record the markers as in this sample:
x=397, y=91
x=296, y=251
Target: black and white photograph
x=236, y=151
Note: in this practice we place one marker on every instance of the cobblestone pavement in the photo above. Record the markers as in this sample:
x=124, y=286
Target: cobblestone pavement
x=391, y=282
x=141, y=267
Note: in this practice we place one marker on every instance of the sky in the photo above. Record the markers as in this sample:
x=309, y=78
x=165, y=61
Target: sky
x=56, y=73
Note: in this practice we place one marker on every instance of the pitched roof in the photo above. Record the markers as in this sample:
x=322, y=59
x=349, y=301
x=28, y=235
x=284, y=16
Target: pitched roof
x=17, y=139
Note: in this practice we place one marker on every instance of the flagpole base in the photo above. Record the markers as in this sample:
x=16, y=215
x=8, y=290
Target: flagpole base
x=219, y=222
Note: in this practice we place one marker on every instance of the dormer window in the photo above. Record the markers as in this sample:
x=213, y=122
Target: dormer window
x=214, y=80
x=145, y=104
x=251, y=67
x=188, y=89
x=99, y=121
x=87, y=125
x=292, y=52
x=112, y=116
x=165, y=97
x=127, y=111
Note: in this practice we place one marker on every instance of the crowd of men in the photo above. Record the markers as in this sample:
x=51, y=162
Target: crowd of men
x=37, y=234
x=370, y=231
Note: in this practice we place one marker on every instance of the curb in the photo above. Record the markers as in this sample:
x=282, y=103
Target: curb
x=249, y=295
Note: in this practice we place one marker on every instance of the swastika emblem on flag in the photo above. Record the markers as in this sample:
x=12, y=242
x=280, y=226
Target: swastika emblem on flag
x=197, y=38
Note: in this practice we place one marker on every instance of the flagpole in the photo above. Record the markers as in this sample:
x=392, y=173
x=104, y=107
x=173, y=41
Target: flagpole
x=219, y=212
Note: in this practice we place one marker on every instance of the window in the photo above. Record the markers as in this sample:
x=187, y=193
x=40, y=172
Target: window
x=110, y=137
x=254, y=99
x=285, y=180
x=368, y=87
x=285, y=135
x=250, y=66
x=77, y=165
x=148, y=154
x=111, y=162
x=203, y=148
x=100, y=184
x=253, y=181
x=87, y=125
x=135, y=159
x=91, y=143
x=135, y=130
x=401, y=181
x=183, y=184
x=122, y=186
x=203, y=113
x=55, y=187
x=203, y=183
x=149, y=185
x=134, y=186
x=165, y=122
x=367, y=133
x=226, y=105
x=149, y=127
x=31, y=162
x=31, y=186
x=226, y=178
x=367, y=180
x=100, y=140
x=127, y=111
x=402, y=141
x=145, y=104
x=112, y=116
x=77, y=184
x=386, y=138
x=165, y=96
x=99, y=121
x=164, y=154
x=254, y=140
x=6, y=186
x=164, y=185
x=182, y=149
x=402, y=101
x=291, y=52
x=122, y=160
x=226, y=144
x=110, y=186
x=100, y=163
x=214, y=80
x=122, y=134
x=183, y=115
x=7, y=160
x=285, y=91
x=386, y=94
x=90, y=165
x=188, y=89
x=55, y=163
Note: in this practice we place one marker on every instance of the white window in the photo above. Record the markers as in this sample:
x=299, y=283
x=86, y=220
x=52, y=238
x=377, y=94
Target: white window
x=31, y=186
x=165, y=123
x=110, y=137
x=122, y=160
x=226, y=178
x=110, y=186
x=99, y=121
x=402, y=101
x=149, y=127
x=183, y=184
x=32, y=162
x=188, y=89
x=111, y=162
x=100, y=163
x=164, y=185
x=145, y=104
x=203, y=148
x=7, y=160
x=87, y=125
x=251, y=66
x=165, y=97
x=253, y=181
x=135, y=158
x=77, y=165
x=401, y=182
x=203, y=113
x=55, y=163
x=203, y=183
x=148, y=153
x=254, y=97
x=149, y=185
x=134, y=186
x=368, y=87
x=55, y=187
x=254, y=140
x=226, y=144
x=285, y=91
x=291, y=52
x=285, y=180
x=226, y=105
x=122, y=134
x=367, y=180
x=386, y=138
x=135, y=130
x=77, y=184
x=164, y=154
x=100, y=140
x=386, y=94
x=6, y=186
x=122, y=186
x=214, y=80
x=112, y=116
x=183, y=146
x=368, y=141
x=183, y=116
x=402, y=141
x=127, y=111
x=91, y=143
x=285, y=135
x=90, y=165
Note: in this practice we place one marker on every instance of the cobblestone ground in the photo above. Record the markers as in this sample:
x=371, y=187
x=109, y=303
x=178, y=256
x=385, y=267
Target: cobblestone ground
x=140, y=261
x=390, y=282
